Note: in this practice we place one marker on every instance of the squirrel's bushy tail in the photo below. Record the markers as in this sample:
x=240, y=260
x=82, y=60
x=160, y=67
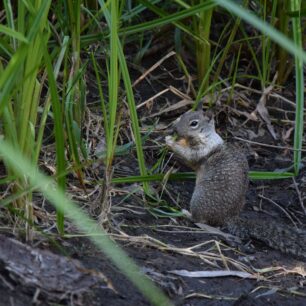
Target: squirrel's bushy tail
x=288, y=240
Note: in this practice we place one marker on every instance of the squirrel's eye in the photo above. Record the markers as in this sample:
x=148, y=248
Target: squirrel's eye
x=194, y=123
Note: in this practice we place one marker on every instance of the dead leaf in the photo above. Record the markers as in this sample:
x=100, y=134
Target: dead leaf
x=263, y=111
x=286, y=134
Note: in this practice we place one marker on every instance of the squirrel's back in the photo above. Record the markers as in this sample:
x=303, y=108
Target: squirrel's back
x=221, y=185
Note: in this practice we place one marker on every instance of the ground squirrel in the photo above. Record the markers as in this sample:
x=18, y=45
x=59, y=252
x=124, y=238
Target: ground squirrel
x=222, y=182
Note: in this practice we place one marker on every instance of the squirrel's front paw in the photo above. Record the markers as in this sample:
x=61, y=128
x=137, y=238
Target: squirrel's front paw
x=187, y=214
x=169, y=141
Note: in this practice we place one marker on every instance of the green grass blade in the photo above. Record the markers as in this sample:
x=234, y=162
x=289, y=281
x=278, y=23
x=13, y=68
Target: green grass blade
x=40, y=18
x=10, y=74
x=113, y=81
x=74, y=11
x=72, y=126
x=103, y=106
x=59, y=137
x=47, y=106
x=226, y=49
x=203, y=49
x=133, y=114
x=10, y=20
x=181, y=176
x=153, y=177
x=9, y=125
x=266, y=175
x=299, y=86
x=9, y=32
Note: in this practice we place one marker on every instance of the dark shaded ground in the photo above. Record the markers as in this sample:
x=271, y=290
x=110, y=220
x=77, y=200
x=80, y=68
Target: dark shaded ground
x=285, y=285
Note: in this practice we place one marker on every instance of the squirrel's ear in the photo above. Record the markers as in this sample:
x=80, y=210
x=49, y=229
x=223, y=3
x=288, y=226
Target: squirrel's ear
x=210, y=116
x=200, y=105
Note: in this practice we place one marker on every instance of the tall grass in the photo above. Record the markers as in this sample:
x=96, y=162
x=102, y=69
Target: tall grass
x=21, y=86
x=21, y=90
x=117, y=58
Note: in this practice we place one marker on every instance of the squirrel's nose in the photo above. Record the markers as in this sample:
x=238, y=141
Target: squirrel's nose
x=175, y=125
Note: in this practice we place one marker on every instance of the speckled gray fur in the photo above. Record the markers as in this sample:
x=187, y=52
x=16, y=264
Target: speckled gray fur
x=226, y=167
x=222, y=183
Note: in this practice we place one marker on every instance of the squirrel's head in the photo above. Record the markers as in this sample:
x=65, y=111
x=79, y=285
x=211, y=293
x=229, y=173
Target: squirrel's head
x=194, y=136
x=192, y=124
